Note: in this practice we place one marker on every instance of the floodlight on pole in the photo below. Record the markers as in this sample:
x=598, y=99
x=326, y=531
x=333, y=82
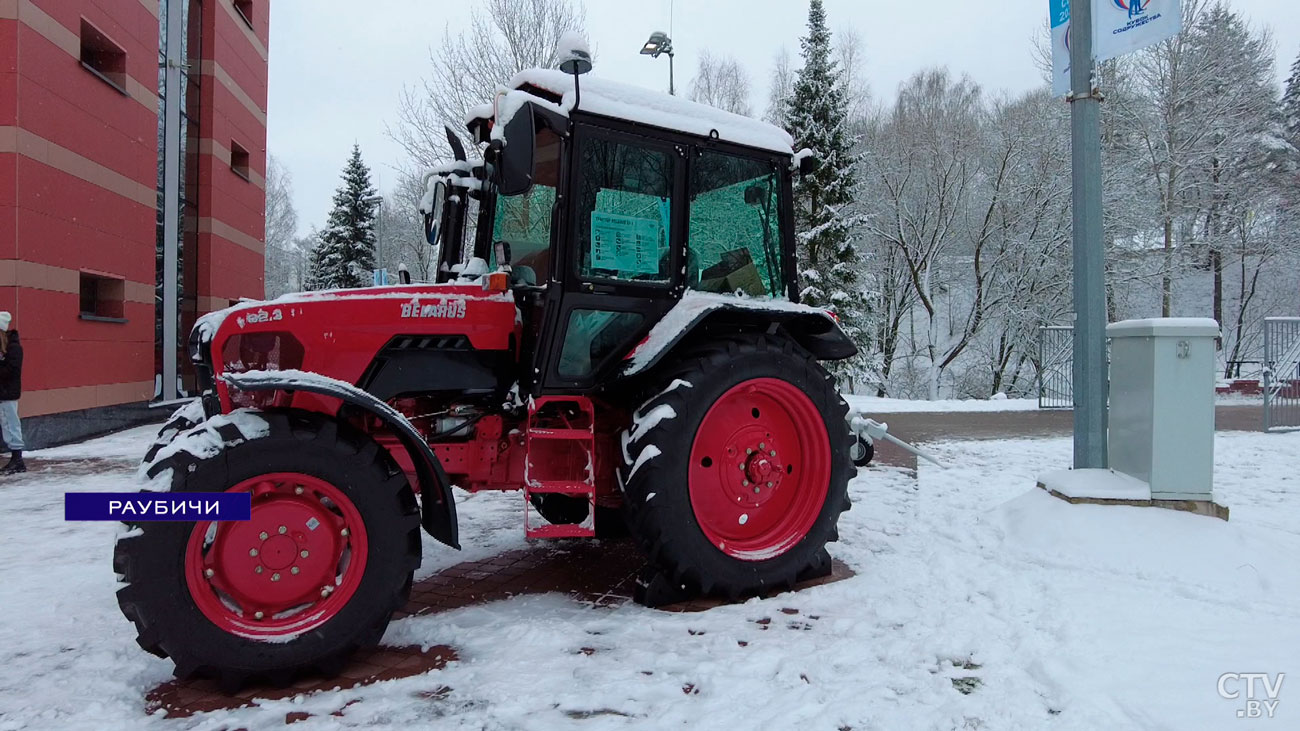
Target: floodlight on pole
x=660, y=43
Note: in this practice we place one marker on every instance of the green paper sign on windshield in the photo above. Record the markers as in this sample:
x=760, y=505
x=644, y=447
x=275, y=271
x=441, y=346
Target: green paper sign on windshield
x=625, y=244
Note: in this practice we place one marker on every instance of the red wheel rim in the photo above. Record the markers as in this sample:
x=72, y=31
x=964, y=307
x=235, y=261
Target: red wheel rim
x=760, y=469
x=289, y=569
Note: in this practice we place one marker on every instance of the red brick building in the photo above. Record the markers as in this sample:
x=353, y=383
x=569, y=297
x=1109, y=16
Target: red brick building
x=92, y=169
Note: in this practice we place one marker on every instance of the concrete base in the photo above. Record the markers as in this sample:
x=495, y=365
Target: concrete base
x=1109, y=487
x=1199, y=507
x=53, y=430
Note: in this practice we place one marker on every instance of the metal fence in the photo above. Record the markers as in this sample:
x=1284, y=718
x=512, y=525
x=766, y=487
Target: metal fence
x=1281, y=372
x=1056, y=367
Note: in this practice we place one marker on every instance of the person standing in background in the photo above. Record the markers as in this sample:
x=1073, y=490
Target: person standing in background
x=11, y=388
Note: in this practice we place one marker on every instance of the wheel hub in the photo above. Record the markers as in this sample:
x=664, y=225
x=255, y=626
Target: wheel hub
x=760, y=468
x=303, y=544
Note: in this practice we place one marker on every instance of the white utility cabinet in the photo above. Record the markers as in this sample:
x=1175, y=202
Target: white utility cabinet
x=1162, y=404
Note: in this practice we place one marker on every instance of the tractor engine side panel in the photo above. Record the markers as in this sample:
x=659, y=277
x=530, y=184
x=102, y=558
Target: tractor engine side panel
x=341, y=335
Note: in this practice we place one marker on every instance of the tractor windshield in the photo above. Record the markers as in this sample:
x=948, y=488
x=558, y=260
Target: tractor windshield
x=524, y=221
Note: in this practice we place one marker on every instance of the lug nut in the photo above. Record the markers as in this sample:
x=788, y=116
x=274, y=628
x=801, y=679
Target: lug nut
x=297, y=490
x=283, y=530
x=762, y=445
x=303, y=554
x=257, y=615
x=325, y=591
x=252, y=551
x=773, y=452
x=263, y=535
x=275, y=576
x=257, y=570
x=769, y=484
x=208, y=573
x=749, y=450
x=294, y=570
x=744, y=483
x=343, y=532
x=756, y=489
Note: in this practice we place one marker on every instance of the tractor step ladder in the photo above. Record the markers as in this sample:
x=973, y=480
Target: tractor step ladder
x=561, y=459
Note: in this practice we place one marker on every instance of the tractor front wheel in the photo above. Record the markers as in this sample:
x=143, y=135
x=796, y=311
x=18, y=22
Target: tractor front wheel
x=734, y=476
x=315, y=574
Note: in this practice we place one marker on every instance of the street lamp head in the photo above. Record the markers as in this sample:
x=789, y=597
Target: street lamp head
x=658, y=43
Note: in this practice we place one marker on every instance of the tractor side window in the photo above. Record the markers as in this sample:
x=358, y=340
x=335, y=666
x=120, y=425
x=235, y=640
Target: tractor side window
x=592, y=336
x=735, y=226
x=524, y=221
x=624, y=211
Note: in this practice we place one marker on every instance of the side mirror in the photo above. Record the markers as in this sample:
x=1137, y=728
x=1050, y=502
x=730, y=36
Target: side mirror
x=502, y=250
x=515, y=159
x=433, y=218
x=808, y=165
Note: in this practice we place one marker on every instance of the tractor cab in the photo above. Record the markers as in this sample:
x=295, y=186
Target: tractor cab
x=608, y=204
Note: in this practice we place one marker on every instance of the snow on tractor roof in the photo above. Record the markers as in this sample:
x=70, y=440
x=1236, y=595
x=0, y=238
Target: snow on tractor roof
x=633, y=103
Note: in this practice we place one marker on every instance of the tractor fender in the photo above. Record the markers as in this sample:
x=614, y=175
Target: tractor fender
x=702, y=315
x=437, y=505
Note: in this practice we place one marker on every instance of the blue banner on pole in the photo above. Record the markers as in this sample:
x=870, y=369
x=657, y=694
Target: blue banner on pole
x=157, y=506
x=1060, y=22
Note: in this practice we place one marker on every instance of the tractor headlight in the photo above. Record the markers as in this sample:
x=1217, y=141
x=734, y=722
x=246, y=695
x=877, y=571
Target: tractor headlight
x=261, y=351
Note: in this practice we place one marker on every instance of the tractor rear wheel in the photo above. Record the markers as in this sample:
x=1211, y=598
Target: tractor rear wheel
x=734, y=476
x=316, y=574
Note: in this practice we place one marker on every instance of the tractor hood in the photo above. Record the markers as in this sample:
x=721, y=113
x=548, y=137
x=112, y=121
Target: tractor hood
x=337, y=333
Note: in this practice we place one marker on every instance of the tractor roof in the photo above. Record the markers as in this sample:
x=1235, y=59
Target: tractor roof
x=633, y=103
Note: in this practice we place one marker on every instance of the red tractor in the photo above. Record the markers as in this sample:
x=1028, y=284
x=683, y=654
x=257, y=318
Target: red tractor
x=622, y=341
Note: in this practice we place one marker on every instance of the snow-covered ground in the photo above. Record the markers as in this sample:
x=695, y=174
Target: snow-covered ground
x=873, y=405
x=1050, y=615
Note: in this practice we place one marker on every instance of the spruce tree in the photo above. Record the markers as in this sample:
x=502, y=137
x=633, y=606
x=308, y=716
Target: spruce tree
x=1291, y=105
x=816, y=116
x=344, y=256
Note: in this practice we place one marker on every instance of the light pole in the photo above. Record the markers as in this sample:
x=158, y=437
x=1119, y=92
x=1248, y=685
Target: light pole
x=660, y=43
x=378, y=200
x=1090, y=376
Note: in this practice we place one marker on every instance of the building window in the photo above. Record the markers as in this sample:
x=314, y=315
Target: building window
x=102, y=297
x=102, y=57
x=239, y=160
x=245, y=10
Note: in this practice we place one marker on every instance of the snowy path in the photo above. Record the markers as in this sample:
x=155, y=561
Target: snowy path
x=1067, y=617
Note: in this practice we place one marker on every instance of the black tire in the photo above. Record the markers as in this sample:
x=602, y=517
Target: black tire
x=656, y=493
x=861, y=452
x=151, y=560
x=184, y=419
x=571, y=510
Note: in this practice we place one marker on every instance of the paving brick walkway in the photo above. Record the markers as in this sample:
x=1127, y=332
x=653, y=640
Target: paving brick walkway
x=601, y=574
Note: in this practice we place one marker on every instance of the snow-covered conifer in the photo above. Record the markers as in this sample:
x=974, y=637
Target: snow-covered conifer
x=345, y=252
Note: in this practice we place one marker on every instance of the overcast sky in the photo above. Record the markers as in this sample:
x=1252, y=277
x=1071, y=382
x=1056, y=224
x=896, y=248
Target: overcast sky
x=338, y=66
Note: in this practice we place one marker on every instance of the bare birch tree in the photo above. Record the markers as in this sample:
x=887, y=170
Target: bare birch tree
x=504, y=38
x=721, y=82
x=286, y=259
x=780, y=88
